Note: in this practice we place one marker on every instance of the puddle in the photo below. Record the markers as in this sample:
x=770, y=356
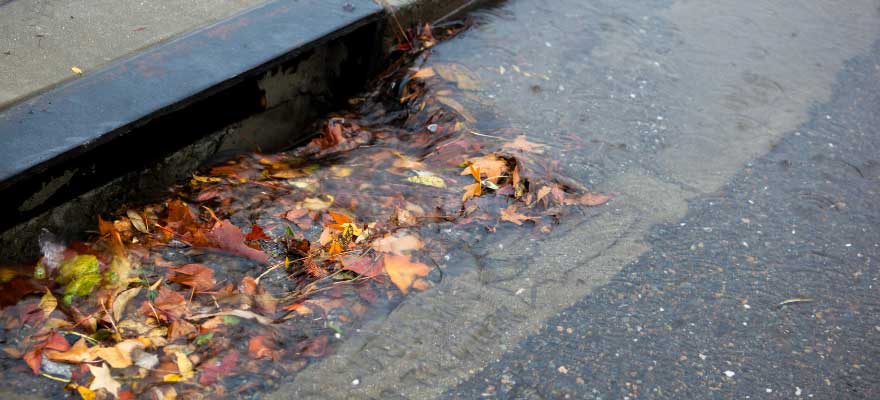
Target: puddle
x=654, y=102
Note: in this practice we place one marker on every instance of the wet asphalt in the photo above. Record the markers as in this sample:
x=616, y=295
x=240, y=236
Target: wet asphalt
x=703, y=314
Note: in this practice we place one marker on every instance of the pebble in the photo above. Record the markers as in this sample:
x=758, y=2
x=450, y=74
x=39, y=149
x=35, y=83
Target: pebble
x=563, y=370
x=729, y=373
x=355, y=382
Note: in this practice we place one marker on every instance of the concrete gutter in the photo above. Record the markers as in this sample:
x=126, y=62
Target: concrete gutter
x=125, y=132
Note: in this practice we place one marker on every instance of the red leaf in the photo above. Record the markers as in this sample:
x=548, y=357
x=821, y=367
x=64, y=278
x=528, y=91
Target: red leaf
x=197, y=276
x=365, y=266
x=228, y=237
x=169, y=304
x=212, y=372
x=256, y=233
x=34, y=357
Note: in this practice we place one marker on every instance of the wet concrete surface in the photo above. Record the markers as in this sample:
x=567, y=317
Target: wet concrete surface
x=703, y=313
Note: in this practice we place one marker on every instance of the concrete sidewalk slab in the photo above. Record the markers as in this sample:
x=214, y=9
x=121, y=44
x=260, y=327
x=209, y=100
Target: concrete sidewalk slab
x=41, y=40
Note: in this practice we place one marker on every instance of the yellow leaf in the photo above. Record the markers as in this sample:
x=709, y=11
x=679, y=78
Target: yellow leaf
x=119, y=356
x=172, y=378
x=340, y=172
x=48, y=303
x=86, y=393
x=76, y=70
x=428, y=180
x=103, y=380
x=184, y=365
x=493, y=166
x=404, y=271
x=289, y=173
x=206, y=179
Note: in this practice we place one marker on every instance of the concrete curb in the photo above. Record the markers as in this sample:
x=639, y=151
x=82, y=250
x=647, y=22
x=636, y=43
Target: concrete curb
x=125, y=132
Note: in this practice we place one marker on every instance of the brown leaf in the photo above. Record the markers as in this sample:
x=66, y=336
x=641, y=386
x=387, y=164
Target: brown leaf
x=169, y=304
x=314, y=347
x=228, y=237
x=403, y=271
x=459, y=74
x=256, y=233
x=199, y=277
x=119, y=356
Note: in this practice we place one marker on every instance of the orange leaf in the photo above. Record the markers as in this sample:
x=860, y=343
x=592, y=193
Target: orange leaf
x=404, y=271
x=212, y=371
x=474, y=189
x=78, y=353
x=493, y=166
x=339, y=218
x=263, y=346
x=256, y=233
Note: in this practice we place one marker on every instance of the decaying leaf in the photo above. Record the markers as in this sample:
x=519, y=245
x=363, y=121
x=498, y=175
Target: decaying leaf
x=423, y=73
x=78, y=353
x=80, y=275
x=122, y=300
x=455, y=105
x=119, y=356
x=213, y=371
x=509, y=214
x=137, y=221
x=491, y=165
x=48, y=303
x=521, y=144
x=227, y=236
x=398, y=244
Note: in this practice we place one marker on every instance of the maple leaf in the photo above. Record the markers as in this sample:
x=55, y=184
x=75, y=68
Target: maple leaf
x=471, y=191
x=228, y=237
x=213, y=371
x=403, y=271
x=493, y=166
x=78, y=353
x=521, y=144
x=509, y=214
x=199, y=277
x=103, y=380
x=263, y=346
x=52, y=341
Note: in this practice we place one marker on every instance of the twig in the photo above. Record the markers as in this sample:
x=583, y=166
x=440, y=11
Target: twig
x=55, y=378
x=484, y=135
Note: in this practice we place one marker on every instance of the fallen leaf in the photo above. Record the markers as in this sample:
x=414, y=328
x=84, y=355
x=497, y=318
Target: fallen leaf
x=48, y=303
x=121, y=300
x=509, y=214
x=103, y=380
x=521, y=144
x=256, y=233
x=34, y=356
x=589, y=199
x=428, y=180
x=459, y=74
x=236, y=313
x=261, y=346
x=78, y=353
x=398, y=244
x=86, y=393
x=213, y=371
x=318, y=203
x=403, y=271
x=119, y=356
x=455, y=105
x=493, y=166
x=80, y=275
x=470, y=191
x=228, y=237
x=423, y=73
x=365, y=266
x=137, y=221
x=168, y=303
x=184, y=365
x=197, y=276
x=313, y=347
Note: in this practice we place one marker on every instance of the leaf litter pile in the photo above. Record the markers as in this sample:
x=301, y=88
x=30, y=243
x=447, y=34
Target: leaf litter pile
x=258, y=264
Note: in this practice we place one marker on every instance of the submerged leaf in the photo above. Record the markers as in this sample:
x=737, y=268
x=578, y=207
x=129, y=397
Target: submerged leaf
x=403, y=271
x=428, y=180
x=79, y=275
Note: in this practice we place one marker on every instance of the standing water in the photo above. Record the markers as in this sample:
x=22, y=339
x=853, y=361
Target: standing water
x=434, y=228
